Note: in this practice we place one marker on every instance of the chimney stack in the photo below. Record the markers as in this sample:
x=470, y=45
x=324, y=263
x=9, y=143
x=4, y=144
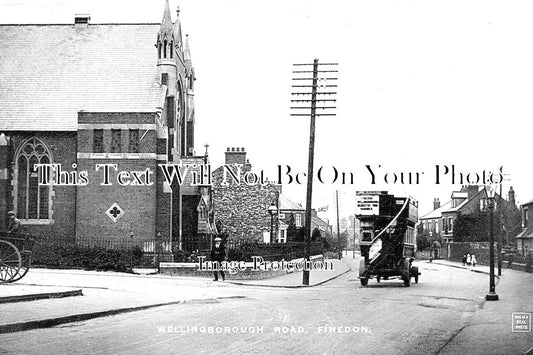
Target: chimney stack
x=82, y=20
x=436, y=203
x=511, y=198
x=237, y=156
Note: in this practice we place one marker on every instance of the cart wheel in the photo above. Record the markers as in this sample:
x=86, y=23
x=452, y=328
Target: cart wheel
x=364, y=281
x=24, y=267
x=378, y=279
x=10, y=261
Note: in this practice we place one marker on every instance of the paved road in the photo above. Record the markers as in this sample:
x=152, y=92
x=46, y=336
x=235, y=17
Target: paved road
x=338, y=317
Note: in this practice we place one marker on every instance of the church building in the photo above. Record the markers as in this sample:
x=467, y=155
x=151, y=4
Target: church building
x=100, y=107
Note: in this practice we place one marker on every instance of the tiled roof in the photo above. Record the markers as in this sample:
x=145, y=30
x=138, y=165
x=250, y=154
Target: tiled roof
x=438, y=212
x=527, y=203
x=50, y=72
x=287, y=205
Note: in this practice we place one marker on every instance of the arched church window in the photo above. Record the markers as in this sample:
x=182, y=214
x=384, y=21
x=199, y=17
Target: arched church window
x=171, y=49
x=33, y=201
x=165, y=49
x=159, y=49
x=180, y=115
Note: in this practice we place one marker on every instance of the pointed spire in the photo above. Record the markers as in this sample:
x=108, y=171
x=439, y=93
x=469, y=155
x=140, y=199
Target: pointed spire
x=177, y=29
x=166, y=22
x=186, y=51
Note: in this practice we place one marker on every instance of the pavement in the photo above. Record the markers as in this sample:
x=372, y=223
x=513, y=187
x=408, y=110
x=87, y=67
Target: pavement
x=43, y=298
x=494, y=318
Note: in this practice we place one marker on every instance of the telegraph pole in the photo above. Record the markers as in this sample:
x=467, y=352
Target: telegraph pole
x=338, y=226
x=302, y=90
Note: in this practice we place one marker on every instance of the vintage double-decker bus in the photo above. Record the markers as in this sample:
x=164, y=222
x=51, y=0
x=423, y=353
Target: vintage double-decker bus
x=387, y=236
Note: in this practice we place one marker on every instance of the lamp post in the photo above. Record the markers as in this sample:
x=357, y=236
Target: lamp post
x=131, y=251
x=272, y=211
x=491, y=296
x=159, y=247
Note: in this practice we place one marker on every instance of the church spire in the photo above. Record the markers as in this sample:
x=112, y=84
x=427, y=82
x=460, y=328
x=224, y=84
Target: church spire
x=165, y=37
x=166, y=22
x=177, y=30
x=187, y=52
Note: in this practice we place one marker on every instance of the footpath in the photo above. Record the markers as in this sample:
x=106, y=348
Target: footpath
x=48, y=297
x=490, y=329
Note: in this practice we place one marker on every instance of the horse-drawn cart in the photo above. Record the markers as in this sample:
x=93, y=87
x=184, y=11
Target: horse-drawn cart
x=15, y=256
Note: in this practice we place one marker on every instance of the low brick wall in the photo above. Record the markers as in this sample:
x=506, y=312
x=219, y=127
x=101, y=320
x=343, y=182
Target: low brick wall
x=192, y=270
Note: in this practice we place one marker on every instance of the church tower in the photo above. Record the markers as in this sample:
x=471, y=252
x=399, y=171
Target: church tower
x=176, y=74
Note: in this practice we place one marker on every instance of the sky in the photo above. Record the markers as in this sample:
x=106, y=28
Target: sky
x=420, y=84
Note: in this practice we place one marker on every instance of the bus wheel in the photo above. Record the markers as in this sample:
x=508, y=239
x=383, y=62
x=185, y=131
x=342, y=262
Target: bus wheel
x=364, y=281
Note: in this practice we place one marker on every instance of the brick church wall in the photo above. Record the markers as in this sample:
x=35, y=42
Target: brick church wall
x=137, y=202
x=62, y=147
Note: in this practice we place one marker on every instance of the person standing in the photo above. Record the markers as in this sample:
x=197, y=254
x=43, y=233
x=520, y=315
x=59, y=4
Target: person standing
x=474, y=261
x=218, y=253
x=468, y=260
x=464, y=259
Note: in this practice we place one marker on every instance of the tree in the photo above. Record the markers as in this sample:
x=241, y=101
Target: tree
x=422, y=242
x=292, y=232
x=316, y=235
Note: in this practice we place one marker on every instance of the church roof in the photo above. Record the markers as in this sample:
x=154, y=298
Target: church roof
x=50, y=72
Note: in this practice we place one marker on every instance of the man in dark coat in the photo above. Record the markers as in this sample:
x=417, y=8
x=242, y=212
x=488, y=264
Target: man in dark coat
x=218, y=253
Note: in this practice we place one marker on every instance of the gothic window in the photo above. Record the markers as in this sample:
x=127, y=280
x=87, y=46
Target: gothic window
x=171, y=49
x=159, y=49
x=165, y=49
x=33, y=201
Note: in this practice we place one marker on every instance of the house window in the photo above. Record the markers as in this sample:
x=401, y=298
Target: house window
x=526, y=217
x=98, y=141
x=134, y=141
x=298, y=220
x=450, y=223
x=444, y=225
x=116, y=145
x=436, y=226
x=282, y=236
x=32, y=201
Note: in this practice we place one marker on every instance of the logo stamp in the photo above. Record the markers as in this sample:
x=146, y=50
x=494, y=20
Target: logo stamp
x=521, y=322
